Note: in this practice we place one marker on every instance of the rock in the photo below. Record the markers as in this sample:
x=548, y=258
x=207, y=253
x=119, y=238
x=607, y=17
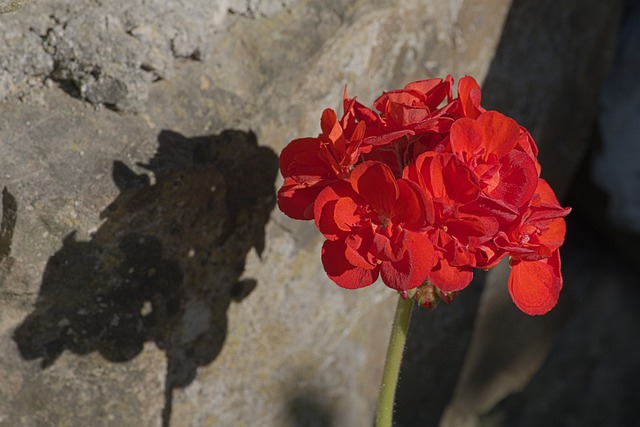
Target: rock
x=591, y=375
x=147, y=279
x=546, y=73
x=615, y=171
x=548, y=70
x=7, y=6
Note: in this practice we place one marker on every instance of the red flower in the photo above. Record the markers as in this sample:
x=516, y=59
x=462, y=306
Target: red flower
x=411, y=121
x=456, y=234
x=535, y=280
x=416, y=106
x=424, y=191
x=310, y=164
x=541, y=228
x=379, y=133
x=374, y=226
x=490, y=147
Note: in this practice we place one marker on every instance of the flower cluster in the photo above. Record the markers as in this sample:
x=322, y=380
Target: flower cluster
x=422, y=190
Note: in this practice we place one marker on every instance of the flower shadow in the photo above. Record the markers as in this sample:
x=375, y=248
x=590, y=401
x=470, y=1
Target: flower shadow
x=165, y=265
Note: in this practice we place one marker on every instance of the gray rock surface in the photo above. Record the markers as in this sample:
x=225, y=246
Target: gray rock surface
x=107, y=53
x=8, y=6
x=145, y=278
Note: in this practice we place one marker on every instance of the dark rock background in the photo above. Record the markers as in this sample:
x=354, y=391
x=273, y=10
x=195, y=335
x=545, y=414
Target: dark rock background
x=146, y=279
x=580, y=364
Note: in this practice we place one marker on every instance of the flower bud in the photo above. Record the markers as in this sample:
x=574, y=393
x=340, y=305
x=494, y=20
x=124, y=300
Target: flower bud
x=428, y=295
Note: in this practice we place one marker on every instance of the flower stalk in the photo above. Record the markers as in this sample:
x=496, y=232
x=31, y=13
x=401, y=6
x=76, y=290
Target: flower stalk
x=395, y=351
x=420, y=192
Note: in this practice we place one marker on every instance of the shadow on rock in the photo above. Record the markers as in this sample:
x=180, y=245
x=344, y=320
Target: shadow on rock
x=166, y=263
x=309, y=410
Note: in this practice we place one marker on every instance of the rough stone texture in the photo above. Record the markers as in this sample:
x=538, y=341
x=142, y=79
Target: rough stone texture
x=111, y=52
x=144, y=277
x=7, y=6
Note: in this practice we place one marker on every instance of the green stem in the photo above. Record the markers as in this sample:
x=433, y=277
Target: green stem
x=384, y=414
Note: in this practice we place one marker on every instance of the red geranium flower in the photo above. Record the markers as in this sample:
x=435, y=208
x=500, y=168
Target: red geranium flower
x=415, y=106
x=412, y=121
x=423, y=191
x=455, y=233
x=374, y=225
x=310, y=164
x=535, y=280
x=541, y=228
x=490, y=147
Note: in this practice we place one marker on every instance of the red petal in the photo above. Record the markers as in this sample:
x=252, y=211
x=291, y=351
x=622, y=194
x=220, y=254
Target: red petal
x=526, y=142
x=435, y=90
x=296, y=201
x=501, y=133
x=370, y=117
x=413, y=208
x=545, y=205
x=334, y=210
x=466, y=227
x=388, y=157
x=470, y=96
x=345, y=213
x=546, y=193
x=410, y=271
x=459, y=181
x=447, y=178
x=398, y=96
x=535, y=285
x=485, y=206
x=553, y=236
x=448, y=278
x=300, y=156
x=358, y=133
x=358, y=250
x=406, y=116
x=329, y=124
x=374, y=181
x=341, y=271
x=467, y=137
x=518, y=179
x=384, y=248
x=439, y=125
x=424, y=86
x=387, y=138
